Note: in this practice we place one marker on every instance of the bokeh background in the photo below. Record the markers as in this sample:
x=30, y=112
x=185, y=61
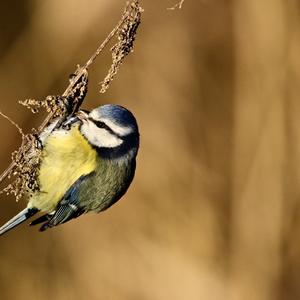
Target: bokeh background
x=213, y=212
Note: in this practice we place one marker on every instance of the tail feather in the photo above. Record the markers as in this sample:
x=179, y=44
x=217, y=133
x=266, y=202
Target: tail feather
x=18, y=219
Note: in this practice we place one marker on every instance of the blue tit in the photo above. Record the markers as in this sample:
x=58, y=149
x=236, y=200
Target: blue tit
x=86, y=165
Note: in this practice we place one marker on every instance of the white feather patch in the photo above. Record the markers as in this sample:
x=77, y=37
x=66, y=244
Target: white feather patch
x=120, y=130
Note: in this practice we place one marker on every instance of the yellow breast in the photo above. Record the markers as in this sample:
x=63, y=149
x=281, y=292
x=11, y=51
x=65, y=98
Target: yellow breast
x=66, y=156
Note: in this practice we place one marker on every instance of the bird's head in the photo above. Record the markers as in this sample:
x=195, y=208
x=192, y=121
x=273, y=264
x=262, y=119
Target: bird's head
x=111, y=129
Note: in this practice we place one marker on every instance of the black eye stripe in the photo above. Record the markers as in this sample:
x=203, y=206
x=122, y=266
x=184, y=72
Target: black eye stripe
x=101, y=124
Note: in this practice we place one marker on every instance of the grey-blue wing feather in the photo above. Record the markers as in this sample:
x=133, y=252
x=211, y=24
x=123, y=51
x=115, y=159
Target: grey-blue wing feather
x=68, y=208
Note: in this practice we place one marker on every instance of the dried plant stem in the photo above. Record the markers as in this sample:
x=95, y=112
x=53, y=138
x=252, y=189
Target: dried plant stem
x=105, y=42
x=178, y=5
x=12, y=122
x=126, y=34
x=82, y=70
x=7, y=171
x=10, y=167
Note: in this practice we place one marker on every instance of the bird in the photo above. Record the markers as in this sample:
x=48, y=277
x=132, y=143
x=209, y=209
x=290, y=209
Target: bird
x=87, y=165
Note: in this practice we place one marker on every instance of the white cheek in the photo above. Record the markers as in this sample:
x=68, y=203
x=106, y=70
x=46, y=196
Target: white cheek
x=99, y=137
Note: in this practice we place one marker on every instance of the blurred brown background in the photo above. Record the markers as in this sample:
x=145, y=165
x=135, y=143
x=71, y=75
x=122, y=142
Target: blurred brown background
x=214, y=211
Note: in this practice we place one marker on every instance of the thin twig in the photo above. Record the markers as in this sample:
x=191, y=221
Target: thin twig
x=10, y=167
x=105, y=42
x=12, y=122
x=81, y=70
x=7, y=171
x=125, y=34
x=178, y=5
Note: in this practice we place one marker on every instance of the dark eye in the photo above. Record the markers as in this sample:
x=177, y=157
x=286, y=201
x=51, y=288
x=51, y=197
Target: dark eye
x=100, y=124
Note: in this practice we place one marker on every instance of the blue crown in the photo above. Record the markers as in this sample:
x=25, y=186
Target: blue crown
x=119, y=114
